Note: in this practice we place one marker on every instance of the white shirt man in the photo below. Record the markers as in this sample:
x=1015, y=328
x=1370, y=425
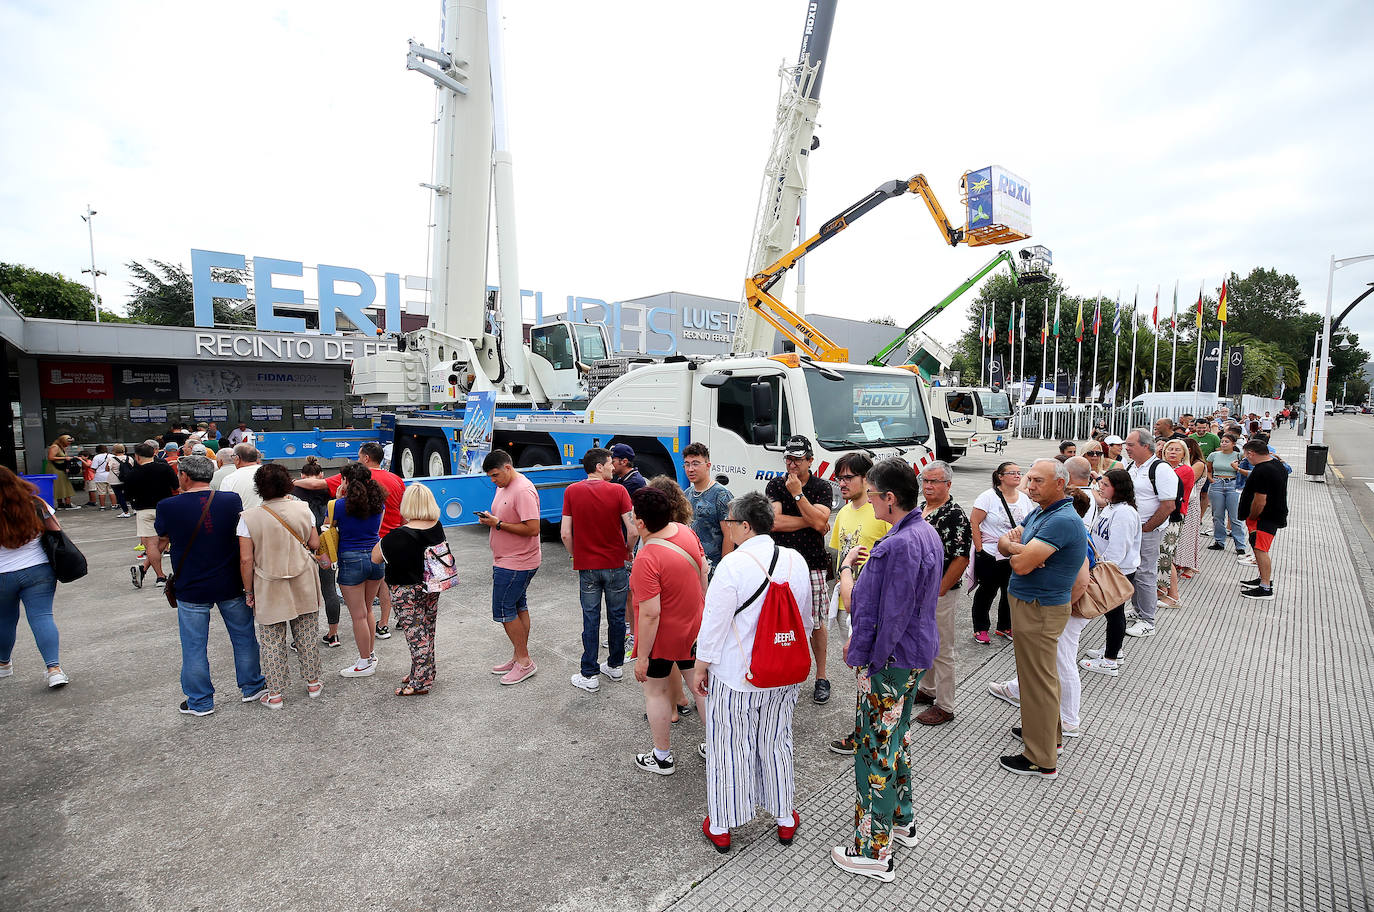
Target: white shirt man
x=1266, y=423
x=240, y=434
x=240, y=481
x=1154, y=501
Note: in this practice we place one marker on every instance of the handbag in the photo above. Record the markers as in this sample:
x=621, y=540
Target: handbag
x=329, y=537
x=169, y=589
x=1107, y=588
x=441, y=568
x=67, y=562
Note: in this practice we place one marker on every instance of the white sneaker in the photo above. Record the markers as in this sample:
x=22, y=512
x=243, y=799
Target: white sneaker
x=905, y=835
x=1141, y=628
x=614, y=672
x=1070, y=731
x=1207, y=532
x=58, y=679
x=363, y=668
x=6, y=670
x=847, y=859
x=591, y=685
x=1102, y=654
x=1101, y=666
x=1003, y=693
x=1247, y=560
x=1132, y=614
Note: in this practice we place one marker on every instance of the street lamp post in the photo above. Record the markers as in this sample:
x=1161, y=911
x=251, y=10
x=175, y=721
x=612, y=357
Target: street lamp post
x=87, y=217
x=1319, y=412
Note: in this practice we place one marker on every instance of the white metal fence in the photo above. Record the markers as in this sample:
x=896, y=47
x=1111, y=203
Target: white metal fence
x=1074, y=421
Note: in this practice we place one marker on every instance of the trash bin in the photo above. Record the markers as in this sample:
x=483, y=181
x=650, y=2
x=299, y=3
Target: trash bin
x=44, y=485
x=1316, y=459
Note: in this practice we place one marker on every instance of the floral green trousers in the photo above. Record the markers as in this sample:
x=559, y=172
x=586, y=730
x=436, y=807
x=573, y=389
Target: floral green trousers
x=882, y=769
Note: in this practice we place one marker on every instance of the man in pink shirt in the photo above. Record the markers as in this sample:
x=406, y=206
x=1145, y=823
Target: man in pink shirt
x=514, y=523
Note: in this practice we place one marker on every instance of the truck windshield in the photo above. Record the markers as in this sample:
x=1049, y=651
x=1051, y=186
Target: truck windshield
x=995, y=405
x=866, y=409
x=590, y=344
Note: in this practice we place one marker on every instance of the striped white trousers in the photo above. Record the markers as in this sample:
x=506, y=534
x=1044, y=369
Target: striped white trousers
x=749, y=753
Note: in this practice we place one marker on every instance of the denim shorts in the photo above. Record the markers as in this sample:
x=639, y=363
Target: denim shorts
x=508, y=593
x=356, y=567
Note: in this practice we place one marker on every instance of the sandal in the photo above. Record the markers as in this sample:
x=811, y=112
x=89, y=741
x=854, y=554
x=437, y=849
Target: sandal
x=409, y=690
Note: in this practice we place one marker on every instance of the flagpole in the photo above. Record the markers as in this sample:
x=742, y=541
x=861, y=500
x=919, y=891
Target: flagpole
x=982, y=350
x=1135, y=303
x=1023, y=349
x=1116, y=350
x=1097, y=325
x=1154, y=367
x=1056, y=347
x=1173, y=330
x=1197, y=358
x=992, y=340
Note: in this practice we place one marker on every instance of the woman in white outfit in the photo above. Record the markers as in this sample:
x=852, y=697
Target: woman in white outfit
x=748, y=746
x=1115, y=538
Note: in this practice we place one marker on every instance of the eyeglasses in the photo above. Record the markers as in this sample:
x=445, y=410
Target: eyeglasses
x=693, y=464
x=1091, y=453
x=931, y=481
x=847, y=477
x=1016, y=472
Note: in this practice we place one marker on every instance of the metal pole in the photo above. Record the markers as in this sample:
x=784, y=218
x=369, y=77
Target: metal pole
x=1154, y=366
x=1319, y=409
x=1116, y=350
x=1197, y=360
x=1131, y=384
x=90, y=233
x=1173, y=329
x=1097, y=325
x=982, y=350
x=992, y=339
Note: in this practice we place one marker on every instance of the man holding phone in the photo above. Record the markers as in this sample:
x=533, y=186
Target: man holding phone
x=514, y=523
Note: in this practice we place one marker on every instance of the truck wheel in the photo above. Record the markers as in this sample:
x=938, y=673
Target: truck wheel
x=536, y=456
x=436, y=459
x=408, y=457
x=651, y=467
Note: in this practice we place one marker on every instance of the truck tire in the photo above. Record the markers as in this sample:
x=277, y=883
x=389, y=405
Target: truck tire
x=409, y=457
x=537, y=456
x=435, y=460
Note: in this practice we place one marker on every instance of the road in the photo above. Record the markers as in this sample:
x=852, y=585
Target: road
x=1351, y=438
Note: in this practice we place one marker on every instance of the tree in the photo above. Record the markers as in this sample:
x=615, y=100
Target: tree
x=884, y=320
x=46, y=294
x=163, y=296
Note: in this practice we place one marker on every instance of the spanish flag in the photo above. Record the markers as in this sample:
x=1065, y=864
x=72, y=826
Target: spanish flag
x=1221, y=304
x=1199, y=309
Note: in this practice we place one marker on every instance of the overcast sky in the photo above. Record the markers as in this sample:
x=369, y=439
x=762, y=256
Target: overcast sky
x=1162, y=141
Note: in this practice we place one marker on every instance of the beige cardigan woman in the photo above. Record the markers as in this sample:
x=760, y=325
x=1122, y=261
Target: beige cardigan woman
x=285, y=582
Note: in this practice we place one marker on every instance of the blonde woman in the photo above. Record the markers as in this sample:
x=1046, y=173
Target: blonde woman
x=1175, y=454
x=56, y=464
x=417, y=609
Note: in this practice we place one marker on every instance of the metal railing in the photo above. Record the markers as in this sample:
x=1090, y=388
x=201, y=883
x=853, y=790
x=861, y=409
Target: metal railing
x=1075, y=421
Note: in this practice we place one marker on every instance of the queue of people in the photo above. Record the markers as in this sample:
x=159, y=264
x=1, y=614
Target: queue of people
x=705, y=596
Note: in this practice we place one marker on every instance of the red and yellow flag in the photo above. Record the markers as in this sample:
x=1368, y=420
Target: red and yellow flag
x=1221, y=304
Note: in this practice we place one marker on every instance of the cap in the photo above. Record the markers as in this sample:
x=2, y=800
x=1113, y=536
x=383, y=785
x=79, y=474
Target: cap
x=170, y=446
x=623, y=451
x=798, y=447
x=199, y=450
x=1113, y=440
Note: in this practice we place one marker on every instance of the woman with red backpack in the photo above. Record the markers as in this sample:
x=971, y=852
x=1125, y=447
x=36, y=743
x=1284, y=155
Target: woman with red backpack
x=753, y=655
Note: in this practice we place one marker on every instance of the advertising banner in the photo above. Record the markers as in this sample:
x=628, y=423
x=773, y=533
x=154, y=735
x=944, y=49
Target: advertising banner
x=995, y=378
x=143, y=381
x=1211, y=358
x=478, y=421
x=1235, y=371
x=74, y=380
x=997, y=197
x=227, y=381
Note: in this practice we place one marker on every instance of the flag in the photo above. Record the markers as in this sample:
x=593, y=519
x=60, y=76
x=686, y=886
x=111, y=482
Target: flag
x=1023, y=319
x=1173, y=320
x=1011, y=325
x=1154, y=317
x=1221, y=305
x=983, y=326
x=1199, y=309
x=1078, y=325
x=1045, y=327
x=1116, y=323
x=1097, y=315
x=1056, y=316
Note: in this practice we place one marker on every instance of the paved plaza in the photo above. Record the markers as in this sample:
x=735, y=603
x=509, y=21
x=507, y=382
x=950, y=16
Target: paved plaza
x=1227, y=768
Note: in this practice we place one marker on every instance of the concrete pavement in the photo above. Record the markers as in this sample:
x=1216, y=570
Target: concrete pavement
x=1224, y=769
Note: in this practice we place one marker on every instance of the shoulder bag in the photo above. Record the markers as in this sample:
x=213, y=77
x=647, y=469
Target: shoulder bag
x=329, y=537
x=67, y=562
x=441, y=567
x=1107, y=588
x=169, y=590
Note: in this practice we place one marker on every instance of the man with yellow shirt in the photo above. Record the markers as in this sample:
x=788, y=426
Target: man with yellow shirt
x=854, y=526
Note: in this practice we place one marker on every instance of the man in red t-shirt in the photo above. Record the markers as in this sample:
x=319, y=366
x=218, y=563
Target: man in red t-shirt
x=597, y=523
x=370, y=457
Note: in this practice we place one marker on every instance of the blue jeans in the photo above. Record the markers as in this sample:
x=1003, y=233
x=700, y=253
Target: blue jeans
x=1225, y=498
x=34, y=586
x=194, y=620
x=615, y=586
x=508, y=588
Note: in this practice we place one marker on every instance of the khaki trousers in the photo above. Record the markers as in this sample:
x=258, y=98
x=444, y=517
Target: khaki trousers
x=1037, y=629
x=939, y=681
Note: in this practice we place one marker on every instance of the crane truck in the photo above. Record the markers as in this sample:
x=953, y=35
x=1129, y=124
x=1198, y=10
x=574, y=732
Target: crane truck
x=744, y=406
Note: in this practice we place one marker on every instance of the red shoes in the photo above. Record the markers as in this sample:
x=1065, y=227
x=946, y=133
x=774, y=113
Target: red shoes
x=722, y=843
x=785, y=833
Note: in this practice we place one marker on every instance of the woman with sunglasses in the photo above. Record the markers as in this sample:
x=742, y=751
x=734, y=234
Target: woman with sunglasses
x=1093, y=453
x=997, y=511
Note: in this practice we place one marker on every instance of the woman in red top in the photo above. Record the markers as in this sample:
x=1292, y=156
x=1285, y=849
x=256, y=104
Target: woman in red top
x=667, y=590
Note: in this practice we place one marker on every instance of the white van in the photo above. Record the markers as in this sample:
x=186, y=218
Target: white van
x=964, y=416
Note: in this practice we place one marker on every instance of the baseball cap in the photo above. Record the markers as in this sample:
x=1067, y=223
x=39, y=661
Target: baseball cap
x=1113, y=440
x=171, y=446
x=199, y=450
x=798, y=447
x=623, y=451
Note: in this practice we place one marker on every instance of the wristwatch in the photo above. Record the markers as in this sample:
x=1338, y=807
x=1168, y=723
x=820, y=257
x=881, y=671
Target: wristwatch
x=796, y=497
x=498, y=525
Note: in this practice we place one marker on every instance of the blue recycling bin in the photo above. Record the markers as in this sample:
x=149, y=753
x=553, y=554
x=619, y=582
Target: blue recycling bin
x=44, y=485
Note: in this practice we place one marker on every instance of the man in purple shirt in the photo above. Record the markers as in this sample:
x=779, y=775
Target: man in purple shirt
x=893, y=641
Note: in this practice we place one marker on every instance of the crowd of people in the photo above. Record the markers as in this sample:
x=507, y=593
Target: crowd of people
x=710, y=599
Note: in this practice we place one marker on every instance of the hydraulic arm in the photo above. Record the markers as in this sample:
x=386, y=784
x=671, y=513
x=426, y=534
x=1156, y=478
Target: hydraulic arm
x=880, y=359
x=806, y=337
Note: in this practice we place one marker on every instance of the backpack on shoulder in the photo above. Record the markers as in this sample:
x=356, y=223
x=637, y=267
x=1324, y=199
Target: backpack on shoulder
x=1177, y=515
x=782, y=654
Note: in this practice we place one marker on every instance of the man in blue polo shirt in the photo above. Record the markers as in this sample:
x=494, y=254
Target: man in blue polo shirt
x=1046, y=552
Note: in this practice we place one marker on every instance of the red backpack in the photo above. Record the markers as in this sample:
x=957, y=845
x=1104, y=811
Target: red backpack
x=782, y=655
